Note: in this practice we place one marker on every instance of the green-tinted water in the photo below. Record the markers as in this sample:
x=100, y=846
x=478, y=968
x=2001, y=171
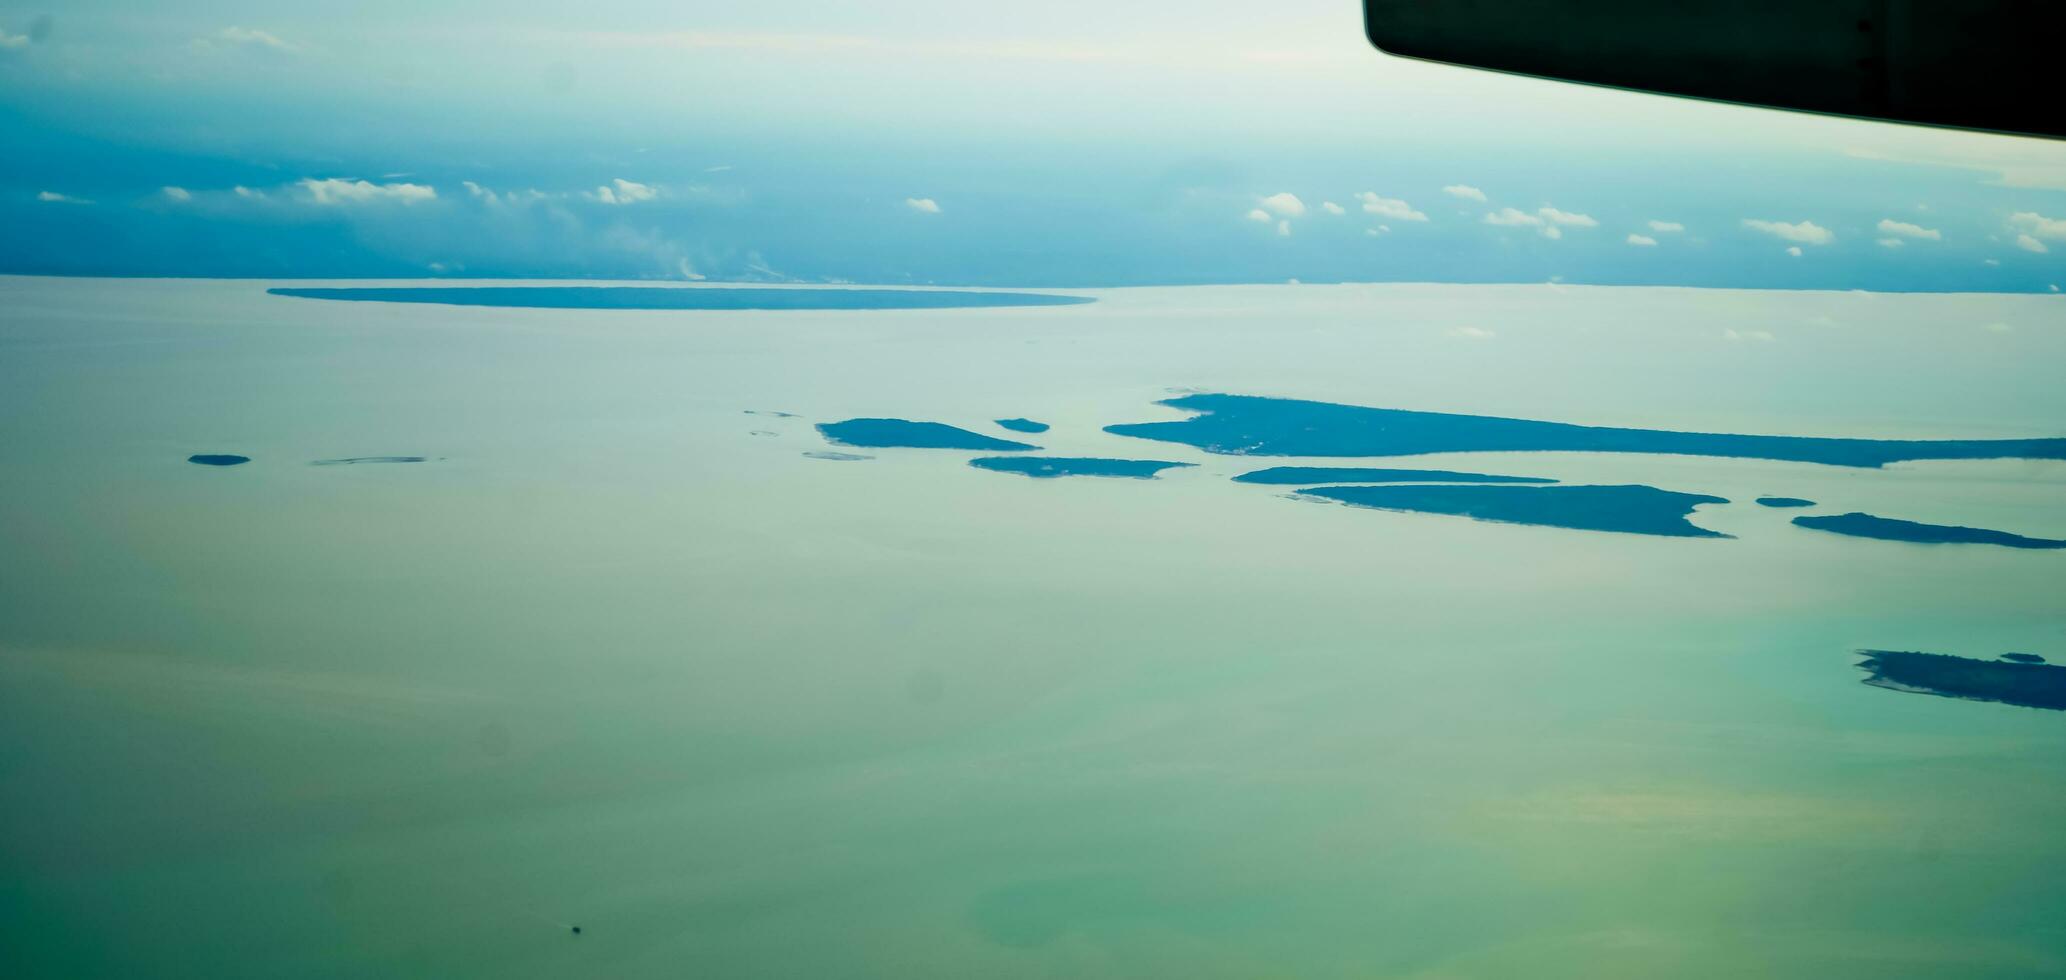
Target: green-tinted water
x=610, y=659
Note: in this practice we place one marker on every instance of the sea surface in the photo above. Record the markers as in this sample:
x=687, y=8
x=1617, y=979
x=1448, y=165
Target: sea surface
x=598, y=629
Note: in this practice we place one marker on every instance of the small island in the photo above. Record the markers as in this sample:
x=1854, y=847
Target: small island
x=1049, y=467
x=1631, y=509
x=1785, y=502
x=1306, y=475
x=218, y=459
x=836, y=457
x=1889, y=529
x=1022, y=425
x=1258, y=426
x=2029, y=685
x=682, y=297
x=361, y=460
x=906, y=434
x=2022, y=658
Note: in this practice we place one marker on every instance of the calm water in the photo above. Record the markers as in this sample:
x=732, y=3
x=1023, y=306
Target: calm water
x=607, y=657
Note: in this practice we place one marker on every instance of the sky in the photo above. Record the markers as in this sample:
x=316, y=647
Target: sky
x=924, y=141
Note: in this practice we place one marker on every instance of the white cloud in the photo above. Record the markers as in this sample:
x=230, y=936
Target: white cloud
x=1666, y=226
x=13, y=42
x=924, y=205
x=1793, y=250
x=1991, y=261
x=1645, y=240
x=1547, y=220
x=2038, y=226
x=1891, y=243
x=337, y=190
x=1805, y=232
x=1465, y=191
x=256, y=38
x=2055, y=287
x=247, y=193
x=1903, y=229
x=1389, y=207
x=621, y=191
x=1332, y=208
x=177, y=193
x=2030, y=244
x=1555, y=216
x=1998, y=327
x=496, y=198
x=1286, y=204
x=1284, y=227
x=1258, y=214
x=1472, y=333
x=53, y=197
x=1512, y=218
x=1740, y=336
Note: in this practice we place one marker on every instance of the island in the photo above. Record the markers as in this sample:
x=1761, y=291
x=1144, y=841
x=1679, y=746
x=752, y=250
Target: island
x=1889, y=529
x=218, y=459
x=359, y=460
x=1630, y=509
x=682, y=297
x=2029, y=685
x=2022, y=658
x=906, y=434
x=1297, y=475
x=1022, y=425
x=1785, y=502
x=1048, y=467
x=836, y=457
x=1258, y=426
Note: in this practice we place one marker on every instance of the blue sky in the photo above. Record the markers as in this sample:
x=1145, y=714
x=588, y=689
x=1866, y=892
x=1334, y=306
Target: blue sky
x=910, y=141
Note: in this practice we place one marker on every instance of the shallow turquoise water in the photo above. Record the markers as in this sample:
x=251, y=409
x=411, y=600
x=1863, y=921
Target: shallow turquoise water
x=608, y=658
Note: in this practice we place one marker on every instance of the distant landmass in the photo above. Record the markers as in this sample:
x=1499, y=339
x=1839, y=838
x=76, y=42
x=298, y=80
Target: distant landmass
x=218, y=459
x=906, y=434
x=1044, y=467
x=1257, y=426
x=357, y=460
x=1022, y=425
x=2030, y=685
x=1631, y=509
x=1889, y=529
x=1299, y=475
x=681, y=297
x=1785, y=502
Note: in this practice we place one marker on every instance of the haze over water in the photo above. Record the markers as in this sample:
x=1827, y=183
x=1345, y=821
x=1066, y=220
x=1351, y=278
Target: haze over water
x=616, y=653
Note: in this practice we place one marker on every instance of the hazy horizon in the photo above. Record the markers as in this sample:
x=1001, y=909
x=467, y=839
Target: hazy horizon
x=927, y=142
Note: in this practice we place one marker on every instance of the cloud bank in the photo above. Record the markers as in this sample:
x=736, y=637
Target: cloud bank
x=335, y=191
x=1805, y=232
